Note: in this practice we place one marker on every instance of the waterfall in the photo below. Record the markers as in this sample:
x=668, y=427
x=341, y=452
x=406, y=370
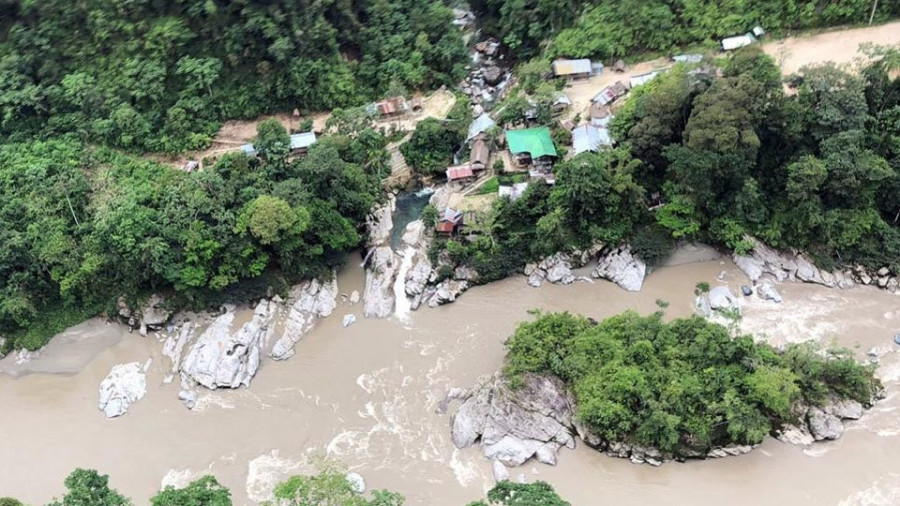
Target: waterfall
x=402, y=305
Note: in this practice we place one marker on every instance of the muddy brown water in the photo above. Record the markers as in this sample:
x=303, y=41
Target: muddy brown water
x=367, y=395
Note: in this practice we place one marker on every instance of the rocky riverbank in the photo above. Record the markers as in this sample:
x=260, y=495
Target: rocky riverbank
x=796, y=266
x=537, y=419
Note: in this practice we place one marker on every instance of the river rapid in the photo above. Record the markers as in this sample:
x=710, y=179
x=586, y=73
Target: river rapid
x=369, y=395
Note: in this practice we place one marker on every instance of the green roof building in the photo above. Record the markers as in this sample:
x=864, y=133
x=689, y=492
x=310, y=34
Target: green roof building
x=534, y=141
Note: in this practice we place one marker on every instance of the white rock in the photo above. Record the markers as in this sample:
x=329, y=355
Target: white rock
x=823, y=425
x=349, y=319
x=356, y=481
x=378, y=296
x=794, y=435
x=500, y=471
x=309, y=301
x=766, y=291
x=720, y=297
x=221, y=359
x=124, y=385
x=622, y=268
x=354, y=297
x=188, y=397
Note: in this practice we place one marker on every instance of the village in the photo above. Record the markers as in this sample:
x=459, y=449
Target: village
x=503, y=151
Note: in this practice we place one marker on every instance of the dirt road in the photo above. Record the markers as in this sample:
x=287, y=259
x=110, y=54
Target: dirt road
x=839, y=46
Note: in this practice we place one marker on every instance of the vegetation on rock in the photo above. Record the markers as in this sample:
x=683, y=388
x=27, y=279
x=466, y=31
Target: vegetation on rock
x=685, y=386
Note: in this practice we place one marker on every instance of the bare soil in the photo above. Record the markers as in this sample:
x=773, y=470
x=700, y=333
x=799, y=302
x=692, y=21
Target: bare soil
x=838, y=46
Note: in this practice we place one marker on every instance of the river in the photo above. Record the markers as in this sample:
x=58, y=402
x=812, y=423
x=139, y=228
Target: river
x=368, y=394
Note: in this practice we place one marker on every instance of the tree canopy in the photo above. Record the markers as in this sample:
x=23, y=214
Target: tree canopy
x=161, y=76
x=684, y=386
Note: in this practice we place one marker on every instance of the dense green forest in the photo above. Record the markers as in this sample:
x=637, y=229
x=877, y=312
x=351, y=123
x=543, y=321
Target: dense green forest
x=84, y=226
x=683, y=386
x=716, y=158
x=328, y=487
x=622, y=28
x=162, y=75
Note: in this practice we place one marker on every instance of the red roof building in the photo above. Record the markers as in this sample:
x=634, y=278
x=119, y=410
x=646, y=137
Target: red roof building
x=460, y=173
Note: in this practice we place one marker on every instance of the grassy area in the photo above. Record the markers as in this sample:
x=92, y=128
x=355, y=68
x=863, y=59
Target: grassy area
x=491, y=186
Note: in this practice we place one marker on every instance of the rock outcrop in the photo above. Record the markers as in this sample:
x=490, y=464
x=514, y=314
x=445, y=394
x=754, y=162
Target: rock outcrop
x=768, y=292
x=308, y=302
x=622, y=268
x=378, y=296
x=512, y=426
x=555, y=269
x=382, y=264
x=823, y=425
x=220, y=359
x=721, y=299
x=124, y=385
x=794, y=266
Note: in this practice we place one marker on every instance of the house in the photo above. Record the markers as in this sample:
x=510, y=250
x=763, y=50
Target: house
x=561, y=102
x=758, y=31
x=610, y=93
x=300, y=143
x=513, y=192
x=481, y=124
x=391, y=107
x=688, y=58
x=249, y=150
x=480, y=153
x=572, y=69
x=532, y=146
x=644, y=78
x=590, y=138
x=460, y=173
x=600, y=116
x=450, y=223
x=732, y=43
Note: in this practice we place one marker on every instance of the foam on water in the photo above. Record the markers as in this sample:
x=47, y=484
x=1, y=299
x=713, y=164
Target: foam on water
x=267, y=470
x=884, y=492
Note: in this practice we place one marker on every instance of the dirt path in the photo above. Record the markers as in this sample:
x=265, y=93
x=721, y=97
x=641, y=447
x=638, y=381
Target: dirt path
x=839, y=46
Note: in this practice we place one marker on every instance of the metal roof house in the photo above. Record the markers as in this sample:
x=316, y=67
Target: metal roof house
x=572, y=69
x=590, y=138
x=535, y=142
x=732, y=43
x=610, y=93
x=481, y=152
x=302, y=142
x=248, y=149
x=460, y=173
x=688, y=58
x=645, y=78
x=481, y=124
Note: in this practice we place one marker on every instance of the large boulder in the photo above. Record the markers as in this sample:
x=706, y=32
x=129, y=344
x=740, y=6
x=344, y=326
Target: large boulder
x=154, y=315
x=514, y=425
x=823, y=425
x=446, y=291
x=622, y=268
x=378, y=296
x=766, y=291
x=556, y=268
x=173, y=347
x=721, y=298
x=220, y=359
x=783, y=266
x=308, y=302
x=124, y=385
